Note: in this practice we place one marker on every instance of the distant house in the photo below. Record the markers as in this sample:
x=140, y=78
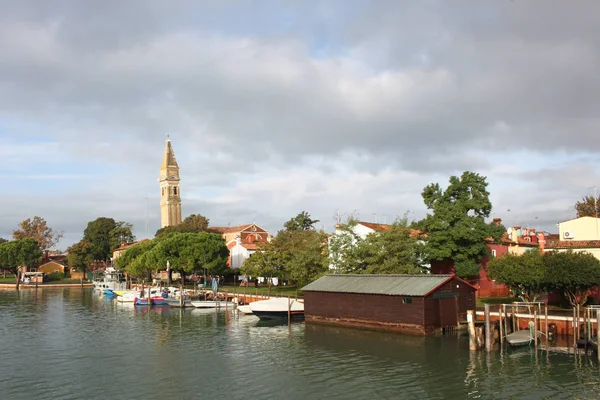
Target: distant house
x=420, y=304
x=242, y=241
x=578, y=234
x=52, y=267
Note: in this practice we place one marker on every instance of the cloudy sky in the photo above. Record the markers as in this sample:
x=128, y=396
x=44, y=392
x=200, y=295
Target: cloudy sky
x=274, y=107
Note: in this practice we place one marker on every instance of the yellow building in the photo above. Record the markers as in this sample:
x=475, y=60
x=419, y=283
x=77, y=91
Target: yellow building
x=578, y=234
x=170, y=193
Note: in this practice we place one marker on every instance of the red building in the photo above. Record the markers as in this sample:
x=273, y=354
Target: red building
x=515, y=240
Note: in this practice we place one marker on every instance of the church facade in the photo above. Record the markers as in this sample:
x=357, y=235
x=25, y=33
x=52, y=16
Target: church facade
x=170, y=194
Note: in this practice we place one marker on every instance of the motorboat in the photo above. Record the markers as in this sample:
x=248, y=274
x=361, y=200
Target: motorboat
x=245, y=309
x=278, y=307
x=176, y=302
x=211, y=304
x=111, y=279
x=154, y=300
x=130, y=295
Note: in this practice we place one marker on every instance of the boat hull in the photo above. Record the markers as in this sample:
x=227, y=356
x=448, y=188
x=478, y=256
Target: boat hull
x=155, y=300
x=211, y=304
x=295, y=315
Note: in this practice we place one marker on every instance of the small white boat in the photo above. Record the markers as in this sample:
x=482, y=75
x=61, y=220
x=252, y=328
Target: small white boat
x=277, y=307
x=522, y=337
x=131, y=295
x=211, y=304
x=175, y=302
x=245, y=309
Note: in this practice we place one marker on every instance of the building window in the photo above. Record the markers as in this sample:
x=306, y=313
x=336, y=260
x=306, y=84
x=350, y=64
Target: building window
x=175, y=190
x=163, y=191
x=493, y=253
x=406, y=300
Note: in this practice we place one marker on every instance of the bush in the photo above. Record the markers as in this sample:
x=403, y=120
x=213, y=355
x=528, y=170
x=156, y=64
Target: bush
x=55, y=276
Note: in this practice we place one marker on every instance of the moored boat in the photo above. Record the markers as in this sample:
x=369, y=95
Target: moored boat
x=154, y=300
x=211, y=304
x=522, y=337
x=278, y=307
x=245, y=309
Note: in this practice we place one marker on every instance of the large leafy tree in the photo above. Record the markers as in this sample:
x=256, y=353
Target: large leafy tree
x=37, y=229
x=81, y=255
x=588, y=206
x=303, y=254
x=524, y=274
x=193, y=223
x=105, y=235
x=574, y=273
x=185, y=252
x=21, y=252
x=298, y=255
x=266, y=261
x=347, y=251
x=394, y=251
x=456, y=229
x=301, y=222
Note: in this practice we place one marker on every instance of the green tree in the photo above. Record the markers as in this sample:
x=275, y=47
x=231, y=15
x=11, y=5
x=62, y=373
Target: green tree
x=193, y=223
x=189, y=252
x=394, y=251
x=456, y=230
x=574, y=273
x=105, y=235
x=37, y=229
x=136, y=260
x=347, y=251
x=524, y=274
x=122, y=233
x=304, y=255
x=2, y=240
x=266, y=261
x=81, y=255
x=21, y=252
x=301, y=222
x=588, y=206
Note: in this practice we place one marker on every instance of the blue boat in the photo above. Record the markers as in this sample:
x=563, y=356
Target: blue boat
x=154, y=300
x=108, y=292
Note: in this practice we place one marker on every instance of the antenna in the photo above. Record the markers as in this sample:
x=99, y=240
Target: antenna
x=146, y=232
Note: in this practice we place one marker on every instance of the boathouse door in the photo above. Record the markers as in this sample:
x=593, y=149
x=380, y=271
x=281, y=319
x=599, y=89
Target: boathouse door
x=448, y=312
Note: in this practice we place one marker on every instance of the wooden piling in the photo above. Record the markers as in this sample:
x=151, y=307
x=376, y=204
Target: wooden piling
x=471, y=326
x=597, y=334
x=535, y=329
x=289, y=311
x=500, y=330
x=546, y=321
x=488, y=330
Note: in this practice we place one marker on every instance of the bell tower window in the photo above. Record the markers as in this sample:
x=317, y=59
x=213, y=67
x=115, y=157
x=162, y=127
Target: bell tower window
x=175, y=190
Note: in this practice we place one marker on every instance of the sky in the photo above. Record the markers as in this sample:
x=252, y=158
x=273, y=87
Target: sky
x=336, y=108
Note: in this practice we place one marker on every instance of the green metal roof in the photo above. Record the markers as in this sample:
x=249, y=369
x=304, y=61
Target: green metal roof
x=392, y=285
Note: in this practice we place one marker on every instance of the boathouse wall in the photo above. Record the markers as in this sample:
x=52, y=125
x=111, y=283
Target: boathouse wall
x=442, y=307
x=367, y=310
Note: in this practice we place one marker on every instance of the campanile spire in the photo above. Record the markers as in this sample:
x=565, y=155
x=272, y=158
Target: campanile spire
x=170, y=195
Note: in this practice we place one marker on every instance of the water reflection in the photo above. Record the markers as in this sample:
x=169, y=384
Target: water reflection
x=74, y=344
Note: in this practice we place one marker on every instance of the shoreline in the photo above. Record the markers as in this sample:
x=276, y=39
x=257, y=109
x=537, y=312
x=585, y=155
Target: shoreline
x=44, y=285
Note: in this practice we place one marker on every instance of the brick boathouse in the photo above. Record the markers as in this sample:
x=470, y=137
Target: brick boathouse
x=418, y=304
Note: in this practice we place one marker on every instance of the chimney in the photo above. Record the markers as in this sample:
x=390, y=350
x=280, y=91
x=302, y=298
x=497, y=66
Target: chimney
x=541, y=241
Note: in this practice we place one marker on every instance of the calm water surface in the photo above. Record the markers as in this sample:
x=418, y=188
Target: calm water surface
x=73, y=344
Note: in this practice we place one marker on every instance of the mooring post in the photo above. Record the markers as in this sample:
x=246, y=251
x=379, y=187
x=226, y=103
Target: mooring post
x=574, y=328
x=546, y=318
x=289, y=311
x=597, y=334
x=500, y=330
x=488, y=330
x=471, y=326
x=535, y=329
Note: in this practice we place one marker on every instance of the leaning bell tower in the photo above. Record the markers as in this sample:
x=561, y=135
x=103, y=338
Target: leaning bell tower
x=170, y=195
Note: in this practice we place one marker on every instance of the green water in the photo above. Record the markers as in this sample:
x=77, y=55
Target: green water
x=73, y=344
